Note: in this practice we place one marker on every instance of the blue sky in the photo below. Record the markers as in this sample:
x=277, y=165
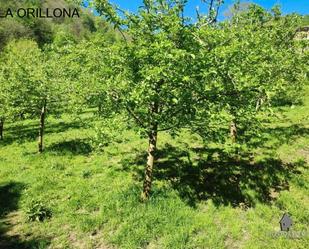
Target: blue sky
x=287, y=6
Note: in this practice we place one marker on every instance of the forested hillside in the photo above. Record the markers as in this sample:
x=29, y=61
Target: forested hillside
x=46, y=31
x=153, y=129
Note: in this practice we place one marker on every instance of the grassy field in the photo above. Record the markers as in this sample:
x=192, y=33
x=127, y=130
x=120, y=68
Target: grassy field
x=202, y=197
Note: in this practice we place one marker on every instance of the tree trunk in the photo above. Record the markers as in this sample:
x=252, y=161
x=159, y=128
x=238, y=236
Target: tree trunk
x=233, y=131
x=150, y=162
x=1, y=129
x=42, y=126
x=152, y=148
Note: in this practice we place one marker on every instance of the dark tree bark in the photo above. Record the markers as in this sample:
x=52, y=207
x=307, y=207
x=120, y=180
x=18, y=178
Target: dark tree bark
x=1, y=129
x=100, y=108
x=150, y=162
x=233, y=131
x=42, y=126
x=152, y=148
x=259, y=103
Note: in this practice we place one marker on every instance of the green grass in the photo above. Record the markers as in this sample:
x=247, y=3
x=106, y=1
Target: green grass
x=202, y=198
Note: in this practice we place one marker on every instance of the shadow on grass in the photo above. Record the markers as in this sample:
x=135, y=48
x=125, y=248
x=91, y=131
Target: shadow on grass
x=75, y=147
x=9, y=198
x=23, y=133
x=213, y=174
x=276, y=136
x=289, y=133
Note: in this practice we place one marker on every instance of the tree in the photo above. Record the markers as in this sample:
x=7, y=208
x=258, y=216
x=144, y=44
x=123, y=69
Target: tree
x=152, y=80
x=32, y=82
x=86, y=85
x=305, y=20
x=52, y=93
x=20, y=74
x=252, y=59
